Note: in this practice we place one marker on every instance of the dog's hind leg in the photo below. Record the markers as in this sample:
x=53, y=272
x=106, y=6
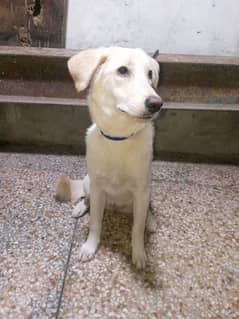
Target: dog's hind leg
x=76, y=191
x=83, y=204
x=68, y=189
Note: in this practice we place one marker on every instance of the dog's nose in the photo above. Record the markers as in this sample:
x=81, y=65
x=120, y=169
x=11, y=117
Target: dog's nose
x=153, y=103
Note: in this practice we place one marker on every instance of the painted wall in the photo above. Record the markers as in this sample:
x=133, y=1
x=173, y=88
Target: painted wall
x=209, y=27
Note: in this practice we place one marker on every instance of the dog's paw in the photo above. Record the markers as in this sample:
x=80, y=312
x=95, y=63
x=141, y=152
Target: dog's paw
x=87, y=251
x=80, y=209
x=139, y=258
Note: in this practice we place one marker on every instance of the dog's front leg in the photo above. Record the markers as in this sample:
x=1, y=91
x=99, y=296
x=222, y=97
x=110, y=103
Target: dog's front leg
x=97, y=205
x=141, y=205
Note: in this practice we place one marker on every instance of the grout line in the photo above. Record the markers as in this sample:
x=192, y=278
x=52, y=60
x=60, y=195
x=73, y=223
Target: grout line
x=187, y=106
x=63, y=53
x=81, y=102
x=66, y=271
x=189, y=182
x=23, y=99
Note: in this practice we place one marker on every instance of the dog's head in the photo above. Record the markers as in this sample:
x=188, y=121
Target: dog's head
x=122, y=85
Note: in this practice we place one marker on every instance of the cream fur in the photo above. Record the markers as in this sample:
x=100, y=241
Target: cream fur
x=119, y=172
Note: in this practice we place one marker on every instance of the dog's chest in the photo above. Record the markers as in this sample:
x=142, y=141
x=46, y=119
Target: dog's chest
x=115, y=172
x=118, y=166
x=116, y=177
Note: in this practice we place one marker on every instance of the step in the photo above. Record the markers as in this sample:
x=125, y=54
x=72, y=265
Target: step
x=188, y=131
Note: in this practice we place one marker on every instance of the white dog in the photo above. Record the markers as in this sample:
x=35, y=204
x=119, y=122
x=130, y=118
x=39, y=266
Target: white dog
x=122, y=103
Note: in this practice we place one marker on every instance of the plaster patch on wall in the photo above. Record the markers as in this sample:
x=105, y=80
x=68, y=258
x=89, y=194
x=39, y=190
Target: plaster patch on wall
x=188, y=27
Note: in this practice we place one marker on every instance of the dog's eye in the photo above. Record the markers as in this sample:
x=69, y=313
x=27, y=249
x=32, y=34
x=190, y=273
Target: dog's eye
x=150, y=74
x=123, y=70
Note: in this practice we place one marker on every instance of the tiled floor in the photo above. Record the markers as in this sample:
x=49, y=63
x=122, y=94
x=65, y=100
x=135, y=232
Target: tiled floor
x=193, y=257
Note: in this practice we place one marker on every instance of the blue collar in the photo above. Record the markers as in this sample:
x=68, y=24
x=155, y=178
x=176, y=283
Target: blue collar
x=115, y=138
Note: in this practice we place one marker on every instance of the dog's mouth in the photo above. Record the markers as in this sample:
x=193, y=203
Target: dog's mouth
x=146, y=116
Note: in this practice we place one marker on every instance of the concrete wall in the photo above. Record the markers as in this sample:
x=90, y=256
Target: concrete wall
x=208, y=27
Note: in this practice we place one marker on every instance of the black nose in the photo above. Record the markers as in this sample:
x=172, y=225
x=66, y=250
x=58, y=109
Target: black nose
x=153, y=103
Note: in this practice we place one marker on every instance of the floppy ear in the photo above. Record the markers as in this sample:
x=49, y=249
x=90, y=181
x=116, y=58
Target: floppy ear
x=83, y=65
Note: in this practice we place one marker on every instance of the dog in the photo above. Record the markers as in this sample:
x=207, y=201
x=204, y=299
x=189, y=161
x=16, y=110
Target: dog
x=123, y=103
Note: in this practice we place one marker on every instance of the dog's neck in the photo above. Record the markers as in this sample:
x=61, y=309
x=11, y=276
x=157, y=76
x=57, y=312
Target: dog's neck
x=117, y=138
x=114, y=125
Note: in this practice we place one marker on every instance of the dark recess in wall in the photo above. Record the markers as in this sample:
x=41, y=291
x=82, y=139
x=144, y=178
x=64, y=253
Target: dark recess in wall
x=33, y=23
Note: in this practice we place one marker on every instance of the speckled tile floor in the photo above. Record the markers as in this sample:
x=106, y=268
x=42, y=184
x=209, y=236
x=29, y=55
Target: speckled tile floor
x=193, y=257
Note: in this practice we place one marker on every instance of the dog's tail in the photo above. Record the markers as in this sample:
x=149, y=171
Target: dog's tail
x=68, y=189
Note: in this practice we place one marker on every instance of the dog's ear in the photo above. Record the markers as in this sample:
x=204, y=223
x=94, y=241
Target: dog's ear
x=156, y=69
x=83, y=65
x=155, y=55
